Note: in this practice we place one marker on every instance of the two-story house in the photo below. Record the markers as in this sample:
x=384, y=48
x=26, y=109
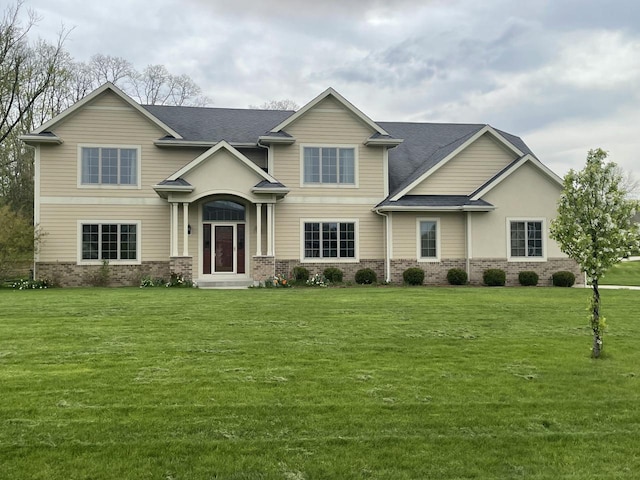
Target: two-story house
x=235, y=196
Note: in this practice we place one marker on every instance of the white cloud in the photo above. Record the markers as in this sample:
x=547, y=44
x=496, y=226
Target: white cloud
x=561, y=75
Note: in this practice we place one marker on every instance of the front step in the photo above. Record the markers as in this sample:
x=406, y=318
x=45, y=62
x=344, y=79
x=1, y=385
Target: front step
x=228, y=284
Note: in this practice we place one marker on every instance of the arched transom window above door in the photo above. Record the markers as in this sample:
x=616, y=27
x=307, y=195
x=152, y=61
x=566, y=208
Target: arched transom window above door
x=223, y=211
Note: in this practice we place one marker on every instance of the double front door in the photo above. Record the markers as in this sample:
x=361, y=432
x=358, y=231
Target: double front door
x=223, y=248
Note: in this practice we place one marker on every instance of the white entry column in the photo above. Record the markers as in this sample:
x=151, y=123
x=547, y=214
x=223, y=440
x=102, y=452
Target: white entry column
x=258, y=229
x=174, y=229
x=185, y=229
x=270, y=207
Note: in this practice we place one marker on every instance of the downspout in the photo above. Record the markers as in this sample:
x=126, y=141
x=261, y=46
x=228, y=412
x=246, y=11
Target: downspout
x=469, y=244
x=269, y=157
x=36, y=209
x=387, y=260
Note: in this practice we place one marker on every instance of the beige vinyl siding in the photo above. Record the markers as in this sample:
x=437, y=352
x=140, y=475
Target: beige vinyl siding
x=221, y=172
x=370, y=237
x=60, y=227
x=405, y=235
x=107, y=120
x=329, y=123
x=470, y=169
x=526, y=193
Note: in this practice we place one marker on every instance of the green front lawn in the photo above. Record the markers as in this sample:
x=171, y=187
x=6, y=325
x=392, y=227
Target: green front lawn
x=624, y=273
x=361, y=383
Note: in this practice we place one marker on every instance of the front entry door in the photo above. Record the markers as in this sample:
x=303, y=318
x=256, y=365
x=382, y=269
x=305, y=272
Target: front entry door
x=223, y=248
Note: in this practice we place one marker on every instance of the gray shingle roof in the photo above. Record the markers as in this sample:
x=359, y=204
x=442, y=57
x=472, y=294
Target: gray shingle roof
x=178, y=182
x=268, y=184
x=426, y=144
x=215, y=124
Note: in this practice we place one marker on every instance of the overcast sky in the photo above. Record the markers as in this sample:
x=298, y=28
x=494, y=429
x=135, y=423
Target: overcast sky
x=562, y=74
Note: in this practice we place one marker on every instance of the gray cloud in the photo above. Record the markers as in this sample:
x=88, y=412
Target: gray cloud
x=528, y=67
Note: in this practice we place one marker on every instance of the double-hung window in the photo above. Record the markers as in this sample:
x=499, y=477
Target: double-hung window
x=428, y=239
x=110, y=241
x=329, y=240
x=110, y=166
x=526, y=239
x=329, y=166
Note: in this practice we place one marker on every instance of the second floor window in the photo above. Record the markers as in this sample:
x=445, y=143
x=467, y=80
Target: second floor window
x=109, y=166
x=329, y=165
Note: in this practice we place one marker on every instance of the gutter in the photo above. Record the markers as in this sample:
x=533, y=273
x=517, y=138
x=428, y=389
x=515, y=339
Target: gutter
x=462, y=208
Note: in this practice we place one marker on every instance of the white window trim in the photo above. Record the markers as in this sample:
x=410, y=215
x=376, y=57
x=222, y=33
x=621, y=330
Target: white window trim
x=356, y=162
x=138, y=185
x=356, y=227
x=137, y=223
x=419, y=256
x=543, y=220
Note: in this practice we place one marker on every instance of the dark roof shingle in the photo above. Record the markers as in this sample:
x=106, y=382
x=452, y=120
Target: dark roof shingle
x=214, y=124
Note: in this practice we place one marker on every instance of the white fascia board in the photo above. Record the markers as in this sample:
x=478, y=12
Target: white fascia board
x=220, y=145
x=341, y=99
x=504, y=141
x=51, y=139
x=527, y=158
x=444, y=161
x=463, y=208
x=169, y=142
x=174, y=188
x=182, y=143
x=266, y=139
x=107, y=86
x=280, y=190
x=384, y=142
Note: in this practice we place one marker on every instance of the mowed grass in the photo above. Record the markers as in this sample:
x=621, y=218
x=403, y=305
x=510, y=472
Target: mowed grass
x=360, y=383
x=624, y=273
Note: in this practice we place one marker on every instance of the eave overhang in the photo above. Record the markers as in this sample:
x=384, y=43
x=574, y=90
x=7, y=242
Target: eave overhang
x=383, y=142
x=461, y=208
x=164, y=188
x=279, y=191
x=171, y=143
x=270, y=140
x=48, y=138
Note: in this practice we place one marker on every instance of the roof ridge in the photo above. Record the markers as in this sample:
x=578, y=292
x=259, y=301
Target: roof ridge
x=145, y=105
x=433, y=123
x=481, y=126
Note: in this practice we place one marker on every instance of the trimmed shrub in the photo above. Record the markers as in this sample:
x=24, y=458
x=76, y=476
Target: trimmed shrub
x=413, y=276
x=366, y=276
x=528, y=279
x=494, y=277
x=457, y=276
x=333, y=274
x=300, y=274
x=563, y=279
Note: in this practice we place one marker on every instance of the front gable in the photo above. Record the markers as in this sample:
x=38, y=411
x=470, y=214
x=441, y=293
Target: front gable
x=106, y=98
x=329, y=120
x=447, y=153
x=220, y=170
x=331, y=102
x=468, y=170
